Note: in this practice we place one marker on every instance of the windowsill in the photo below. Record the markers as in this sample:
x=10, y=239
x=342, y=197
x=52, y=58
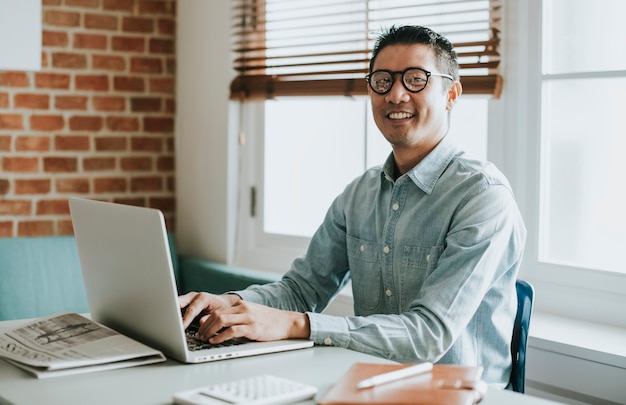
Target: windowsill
x=571, y=337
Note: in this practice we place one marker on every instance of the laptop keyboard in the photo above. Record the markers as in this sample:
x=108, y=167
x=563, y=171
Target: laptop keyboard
x=194, y=344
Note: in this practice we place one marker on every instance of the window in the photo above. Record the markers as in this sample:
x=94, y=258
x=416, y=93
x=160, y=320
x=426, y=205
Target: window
x=563, y=130
x=582, y=220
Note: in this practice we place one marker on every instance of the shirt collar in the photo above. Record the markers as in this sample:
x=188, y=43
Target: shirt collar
x=426, y=173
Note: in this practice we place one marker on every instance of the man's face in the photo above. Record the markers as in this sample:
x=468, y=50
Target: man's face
x=409, y=120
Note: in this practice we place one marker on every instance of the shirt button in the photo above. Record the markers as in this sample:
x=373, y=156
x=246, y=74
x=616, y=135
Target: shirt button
x=362, y=248
x=386, y=249
x=395, y=206
x=389, y=293
x=328, y=341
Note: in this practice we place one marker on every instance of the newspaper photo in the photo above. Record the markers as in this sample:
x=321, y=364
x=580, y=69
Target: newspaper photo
x=71, y=341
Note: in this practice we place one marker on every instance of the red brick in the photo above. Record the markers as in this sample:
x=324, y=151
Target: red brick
x=155, y=7
x=169, y=143
x=52, y=81
x=92, y=82
x=125, y=83
x=98, y=163
x=162, y=85
x=106, y=62
x=90, y=41
x=11, y=121
x=32, y=101
x=56, y=207
x=20, y=164
x=72, y=185
x=4, y=100
x=32, y=143
x=86, y=123
x=146, y=65
x=165, y=164
x=133, y=164
x=6, y=229
x=170, y=106
x=109, y=103
x=70, y=102
x=15, y=207
x=46, y=122
x=165, y=204
x=138, y=24
x=111, y=143
x=101, y=22
x=60, y=164
x=146, y=184
x=71, y=142
x=121, y=5
x=14, y=79
x=5, y=143
x=69, y=60
x=55, y=38
x=61, y=18
x=32, y=186
x=155, y=124
x=83, y=3
x=159, y=45
x=128, y=44
x=51, y=2
x=146, y=144
x=65, y=227
x=122, y=123
x=35, y=228
x=136, y=201
x=145, y=104
x=5, y=186
x=108, y=185
x=166, y=26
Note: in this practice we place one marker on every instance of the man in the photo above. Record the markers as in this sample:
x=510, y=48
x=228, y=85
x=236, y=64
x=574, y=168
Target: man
x=432, y=240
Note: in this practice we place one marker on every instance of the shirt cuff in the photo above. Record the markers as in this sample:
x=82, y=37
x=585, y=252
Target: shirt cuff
x=328, y=330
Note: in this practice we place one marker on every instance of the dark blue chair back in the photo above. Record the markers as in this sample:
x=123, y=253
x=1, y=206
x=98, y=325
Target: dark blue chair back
x=525, y=297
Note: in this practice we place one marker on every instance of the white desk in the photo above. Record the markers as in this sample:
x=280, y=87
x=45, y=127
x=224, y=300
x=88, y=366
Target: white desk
x=155, y=384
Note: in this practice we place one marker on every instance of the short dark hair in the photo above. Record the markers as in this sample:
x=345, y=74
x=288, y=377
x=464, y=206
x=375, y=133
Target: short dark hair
x=414, y=34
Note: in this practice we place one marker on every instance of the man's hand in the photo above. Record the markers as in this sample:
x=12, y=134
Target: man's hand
x=224, y=317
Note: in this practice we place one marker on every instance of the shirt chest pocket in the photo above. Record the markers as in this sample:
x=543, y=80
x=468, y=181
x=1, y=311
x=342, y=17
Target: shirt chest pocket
x=365, y=272
x=417, y=263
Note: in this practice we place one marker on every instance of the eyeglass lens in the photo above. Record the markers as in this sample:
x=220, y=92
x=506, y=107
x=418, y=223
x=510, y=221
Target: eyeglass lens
x=414, y=80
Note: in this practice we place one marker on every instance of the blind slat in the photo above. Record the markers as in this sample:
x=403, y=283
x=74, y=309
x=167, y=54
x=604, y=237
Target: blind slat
x=310, y=48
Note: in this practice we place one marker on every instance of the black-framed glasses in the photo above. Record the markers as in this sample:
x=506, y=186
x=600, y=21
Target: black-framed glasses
x=413, y=79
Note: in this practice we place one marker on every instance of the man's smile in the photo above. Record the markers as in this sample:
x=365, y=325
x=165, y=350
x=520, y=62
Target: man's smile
x=399, y=115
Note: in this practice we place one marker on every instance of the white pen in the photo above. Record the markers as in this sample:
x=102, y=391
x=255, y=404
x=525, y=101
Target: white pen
x=395, y=375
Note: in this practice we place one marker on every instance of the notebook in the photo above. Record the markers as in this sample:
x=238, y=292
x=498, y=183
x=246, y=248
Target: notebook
x=130, y=284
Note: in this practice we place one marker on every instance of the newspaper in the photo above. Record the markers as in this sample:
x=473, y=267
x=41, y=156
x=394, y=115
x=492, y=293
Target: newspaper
x=70, y=343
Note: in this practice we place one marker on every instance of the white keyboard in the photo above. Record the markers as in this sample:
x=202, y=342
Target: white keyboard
x=258, y=390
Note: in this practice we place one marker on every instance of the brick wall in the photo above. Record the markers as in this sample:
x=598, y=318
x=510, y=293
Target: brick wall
x=96, y=121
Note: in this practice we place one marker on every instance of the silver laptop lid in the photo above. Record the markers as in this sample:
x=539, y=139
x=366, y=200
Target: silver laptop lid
x=127, y=269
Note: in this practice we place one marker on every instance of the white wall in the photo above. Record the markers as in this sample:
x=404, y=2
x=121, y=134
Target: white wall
x=205, y=154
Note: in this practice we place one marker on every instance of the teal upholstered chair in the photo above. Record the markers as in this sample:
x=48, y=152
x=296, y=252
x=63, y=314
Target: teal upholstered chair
x=525, y=298
x=40, y=276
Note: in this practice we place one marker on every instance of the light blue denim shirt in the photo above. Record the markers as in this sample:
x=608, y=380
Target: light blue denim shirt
x=433, y=257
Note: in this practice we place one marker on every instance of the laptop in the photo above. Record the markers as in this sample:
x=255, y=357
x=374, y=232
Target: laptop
x=130, y=284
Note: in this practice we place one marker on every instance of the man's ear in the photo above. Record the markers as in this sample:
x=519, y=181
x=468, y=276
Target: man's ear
x=453, y=94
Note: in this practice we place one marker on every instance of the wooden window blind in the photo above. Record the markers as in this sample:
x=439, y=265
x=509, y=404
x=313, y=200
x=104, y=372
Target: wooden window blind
x=323, y=47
